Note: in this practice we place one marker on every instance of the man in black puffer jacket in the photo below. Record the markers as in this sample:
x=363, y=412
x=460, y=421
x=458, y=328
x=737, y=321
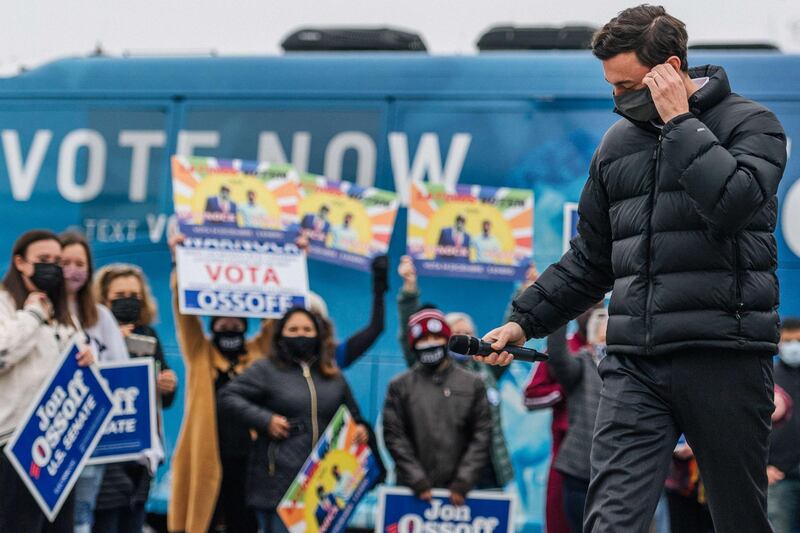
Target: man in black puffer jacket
x=677, y=217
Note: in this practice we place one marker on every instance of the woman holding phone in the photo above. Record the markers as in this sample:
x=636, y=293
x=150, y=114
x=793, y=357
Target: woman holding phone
x=126, y=486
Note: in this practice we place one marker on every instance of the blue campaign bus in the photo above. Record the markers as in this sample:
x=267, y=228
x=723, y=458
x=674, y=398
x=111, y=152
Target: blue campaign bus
x=86, y=143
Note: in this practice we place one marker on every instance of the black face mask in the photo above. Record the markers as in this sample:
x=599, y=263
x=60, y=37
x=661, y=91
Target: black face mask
x=637, y=105
x=126, y=310
x=431, y=357
x=300, y=348
x=47, y=276
x=229, y=343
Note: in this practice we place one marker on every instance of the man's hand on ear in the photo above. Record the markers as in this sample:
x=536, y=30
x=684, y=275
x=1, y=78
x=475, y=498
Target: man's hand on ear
x=668, y=91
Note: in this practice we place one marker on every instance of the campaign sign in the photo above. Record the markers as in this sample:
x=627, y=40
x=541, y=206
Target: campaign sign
x=224, y=277
x=232, y=198
x=345, y=224
x=133, y=428
x=334, y=478
x=399, y=511
x=470, y=231
x=570, y=224
x=60, y=431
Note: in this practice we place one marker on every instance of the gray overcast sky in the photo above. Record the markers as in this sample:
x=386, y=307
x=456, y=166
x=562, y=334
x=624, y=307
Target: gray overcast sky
x=36, y=31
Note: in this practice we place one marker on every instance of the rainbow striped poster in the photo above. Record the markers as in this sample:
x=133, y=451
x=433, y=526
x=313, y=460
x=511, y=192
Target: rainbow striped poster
x=345, y=224
x=333, y=480
x=470, y=232
x=235, y=199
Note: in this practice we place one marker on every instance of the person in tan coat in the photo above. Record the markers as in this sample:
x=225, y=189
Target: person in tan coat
x=209, y=465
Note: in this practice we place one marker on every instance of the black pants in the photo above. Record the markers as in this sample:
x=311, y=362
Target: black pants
x=722, y=402
x=19, y=512
x=232, y=504
x=129, y=519
x=574, y=490
x=687, y=515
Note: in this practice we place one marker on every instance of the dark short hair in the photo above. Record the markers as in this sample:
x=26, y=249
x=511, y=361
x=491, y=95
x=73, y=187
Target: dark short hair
x=790, y=323
x=647, y=30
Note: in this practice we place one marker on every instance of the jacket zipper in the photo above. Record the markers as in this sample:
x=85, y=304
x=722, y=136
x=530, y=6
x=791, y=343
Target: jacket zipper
x=648, y=320
x=313, y=391
x=739, y=302
x=314, y=422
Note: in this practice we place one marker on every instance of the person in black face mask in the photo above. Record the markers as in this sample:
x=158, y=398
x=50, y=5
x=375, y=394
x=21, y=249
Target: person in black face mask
x=437, y=423
x=209, y=465
x=288, y=399
x=123, y=288
x=35, y=327
x=677, y=217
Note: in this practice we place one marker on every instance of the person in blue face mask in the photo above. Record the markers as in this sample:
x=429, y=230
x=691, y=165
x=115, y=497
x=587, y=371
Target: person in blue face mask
x=783, y=472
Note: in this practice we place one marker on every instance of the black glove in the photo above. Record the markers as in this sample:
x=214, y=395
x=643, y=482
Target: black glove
x=380, y=274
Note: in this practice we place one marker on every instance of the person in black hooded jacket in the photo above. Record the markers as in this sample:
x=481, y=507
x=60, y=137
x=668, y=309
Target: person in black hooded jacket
x=677, y=217
x=288, y=399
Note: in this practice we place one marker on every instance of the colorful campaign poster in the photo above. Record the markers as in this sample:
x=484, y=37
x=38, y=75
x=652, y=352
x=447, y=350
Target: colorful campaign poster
x=240, y=278
x=234, y=198
x=133, y=429
x=60, y=432
x=346, y=224
x=332, y=481
x=399, y=511
x=470, y=232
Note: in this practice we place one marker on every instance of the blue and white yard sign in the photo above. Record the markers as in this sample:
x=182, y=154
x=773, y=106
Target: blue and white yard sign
x=240, y=278
x=134, y=427
x=399, y=511
x=60, y=431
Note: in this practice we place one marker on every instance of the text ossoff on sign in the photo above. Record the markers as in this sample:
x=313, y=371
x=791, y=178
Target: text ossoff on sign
x=60, y=431
x=400, y=511
x=133, y=430
x=241, y=283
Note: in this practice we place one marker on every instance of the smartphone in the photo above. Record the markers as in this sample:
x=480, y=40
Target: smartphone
x=141, y=345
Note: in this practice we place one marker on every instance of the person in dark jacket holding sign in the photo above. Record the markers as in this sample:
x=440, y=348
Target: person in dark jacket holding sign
x=677, y=217
x=288, y=399
x=437, y=423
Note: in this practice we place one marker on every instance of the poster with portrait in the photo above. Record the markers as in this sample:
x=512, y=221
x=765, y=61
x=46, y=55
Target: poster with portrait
x=345, y=224
x=333, y=480
x=470, y=232
x=234, y=199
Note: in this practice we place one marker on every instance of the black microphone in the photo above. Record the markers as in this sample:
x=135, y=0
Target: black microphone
x=464, y=344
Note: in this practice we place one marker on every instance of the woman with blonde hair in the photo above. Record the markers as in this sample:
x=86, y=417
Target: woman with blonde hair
x=124, y=289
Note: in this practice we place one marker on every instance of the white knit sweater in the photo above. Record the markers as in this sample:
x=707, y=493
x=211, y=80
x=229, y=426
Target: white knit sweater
x=29, y=351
